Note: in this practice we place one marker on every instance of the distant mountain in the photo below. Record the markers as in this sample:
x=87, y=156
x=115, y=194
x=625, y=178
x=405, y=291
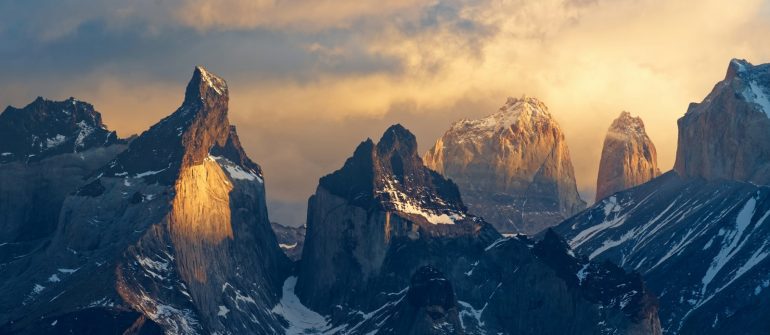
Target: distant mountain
x=391, y=249
x=699, y=234
x=46, y=150
x=290, y=239
x=171, y=235
x=628, y=157
x=46, y=128
x=513, y=167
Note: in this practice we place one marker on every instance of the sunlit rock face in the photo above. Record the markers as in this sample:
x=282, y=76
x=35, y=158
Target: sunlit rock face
x=698, y=234
x=376, y=223
x=171, y=235
x=727, y=135
x=628, y=157
x=512, y=167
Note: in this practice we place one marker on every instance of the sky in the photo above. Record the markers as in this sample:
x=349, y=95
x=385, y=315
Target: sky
x=310, y=79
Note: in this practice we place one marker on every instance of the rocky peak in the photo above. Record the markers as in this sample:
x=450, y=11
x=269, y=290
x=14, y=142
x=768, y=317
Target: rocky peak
x=727, y=135
x=185, y=138
x=513, y=166
x=628, y=157
x=392, y=176
x=45, y=128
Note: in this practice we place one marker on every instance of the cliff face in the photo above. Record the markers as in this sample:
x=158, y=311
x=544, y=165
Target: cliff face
x=513, y=167
x=628, y=157
x=172, y=234
x=727, y=135
x=377, y=222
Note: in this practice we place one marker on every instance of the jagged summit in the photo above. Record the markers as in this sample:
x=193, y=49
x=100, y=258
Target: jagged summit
x=185, y=138
x=513, y=167
x=515, y=110
x=391, y=175
x=204, y=83
x=727, y=135
x=45, y=128
x=628, y=125
x=628, y=157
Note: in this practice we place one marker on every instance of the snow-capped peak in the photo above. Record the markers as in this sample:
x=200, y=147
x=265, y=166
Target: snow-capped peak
x=524, y=109
x=211, y=80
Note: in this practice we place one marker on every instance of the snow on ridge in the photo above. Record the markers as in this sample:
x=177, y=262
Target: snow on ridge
x=235, y=171
x=514, y=109
x=406, y=205
x=55, y=141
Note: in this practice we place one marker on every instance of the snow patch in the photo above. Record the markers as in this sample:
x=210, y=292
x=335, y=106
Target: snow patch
x=223, y=311
x=55, y=141
x=54, y=278
x=301, y=319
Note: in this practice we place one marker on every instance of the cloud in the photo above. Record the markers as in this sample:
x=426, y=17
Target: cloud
x=305, y=15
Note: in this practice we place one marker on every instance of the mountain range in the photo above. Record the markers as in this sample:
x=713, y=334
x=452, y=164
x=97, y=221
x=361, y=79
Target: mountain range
x=168, y=232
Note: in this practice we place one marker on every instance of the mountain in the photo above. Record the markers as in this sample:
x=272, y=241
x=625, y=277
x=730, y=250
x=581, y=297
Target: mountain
x=726, y=135
x=698, y=233
x=290, y=239
x=628, y=157
x=513, y=167
x=46, y=128
x=46, y=150
x=392, y=249
x=171, y=235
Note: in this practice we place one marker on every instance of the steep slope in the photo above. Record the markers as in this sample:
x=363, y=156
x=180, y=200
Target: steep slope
x=374, y=226
x=628, y=157
x=698, y=234
x=46, y=150
x=726, y=135
x=172, y=234
x=513, y=167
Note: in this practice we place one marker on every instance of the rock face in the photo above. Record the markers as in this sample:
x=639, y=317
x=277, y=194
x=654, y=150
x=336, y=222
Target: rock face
x=46, y=150
x=628, y=157
x=46, y=128
x=374, y=226
x=290, y=239
x=170, y=235
x=698, y=234
x=727, y=135
x=513, y=167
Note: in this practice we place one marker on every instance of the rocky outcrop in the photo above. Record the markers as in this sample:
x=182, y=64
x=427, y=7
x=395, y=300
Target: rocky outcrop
x=172, y=234
x=47, y=128
x=374, y=226
x=628, y=157
x=727, y=135
x=46, y=150
x=290, y=239
x=513, y=167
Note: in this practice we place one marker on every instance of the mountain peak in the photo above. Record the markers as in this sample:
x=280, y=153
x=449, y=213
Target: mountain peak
x=45, y=128
x=187, y=136
x=204, y=84
x=628, y=157
x=512, y=166
x=398, y=139
x=727, y=135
